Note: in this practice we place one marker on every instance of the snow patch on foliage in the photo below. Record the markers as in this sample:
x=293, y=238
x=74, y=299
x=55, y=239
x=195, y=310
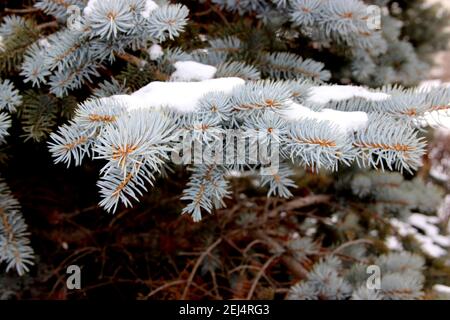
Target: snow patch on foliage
x=192, y=71
x=155, y=51
x=184, y=97
x=437, y=119
x=393, y=243
x=2, y=45
x=428, y=225
x=87, y=11
x=180, y=96
x=431, y=241
x=150, y=5
x=44, y=43
x=347, y=122
x=442, y=291
x=324, y=94
x=426, y=86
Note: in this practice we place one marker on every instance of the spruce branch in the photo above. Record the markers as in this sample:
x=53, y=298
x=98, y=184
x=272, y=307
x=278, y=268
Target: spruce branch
x=15, y=248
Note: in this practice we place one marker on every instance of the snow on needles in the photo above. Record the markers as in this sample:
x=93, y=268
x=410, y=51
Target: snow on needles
x=324, y=94
x=347, y=122
x=439, y=119
x=430, y=240
x=428, y=225
x=442, y=291
x=155, y=51
x=89, y=7
x=184, y=97
x=181, y=96
x=192, y=71
x=150, y=5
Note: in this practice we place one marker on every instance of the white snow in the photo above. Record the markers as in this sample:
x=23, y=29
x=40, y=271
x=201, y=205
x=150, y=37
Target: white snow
x=192, y=71
x=421, y=221
x=184, y=97
x=347, y=122
x=436, y=119
x=442, y=290
x=428, y=225
x=296, y=111
x=444, y=210
x=431, y=243
x=430, y=247
x=324, y=94
x=426, y=86
x=149, y=7
x=44, y=43
x=321, y=95
x=89, y=7
x=155, y=51
x=180, y=96
x=393, y=243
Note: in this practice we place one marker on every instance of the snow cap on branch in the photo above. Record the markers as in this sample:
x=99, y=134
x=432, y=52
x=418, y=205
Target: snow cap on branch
x=347, y=122
x=155, y=51
x=192, y=71
x=181, y=96
x=324, y=94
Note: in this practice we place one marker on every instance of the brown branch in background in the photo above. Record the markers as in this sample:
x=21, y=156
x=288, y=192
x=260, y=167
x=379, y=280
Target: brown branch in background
x=50, y=24
x=260, y=274
x=299, y=203
x=19, y=11
x=165, y=286
x=296, y=268
x=217, y=10
x=132, y=59
x=203, y=13
x=351, y=243
x=197, y=265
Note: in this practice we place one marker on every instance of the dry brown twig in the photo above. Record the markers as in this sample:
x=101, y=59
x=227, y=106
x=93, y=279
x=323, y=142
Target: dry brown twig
x=197, y=265
x=296, y=268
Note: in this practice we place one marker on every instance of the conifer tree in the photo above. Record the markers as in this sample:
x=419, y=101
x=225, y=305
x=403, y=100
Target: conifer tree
x=307, y=88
